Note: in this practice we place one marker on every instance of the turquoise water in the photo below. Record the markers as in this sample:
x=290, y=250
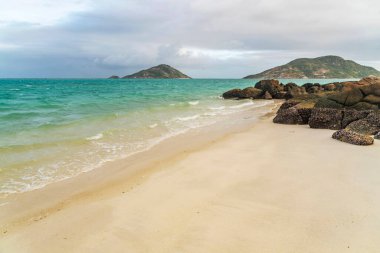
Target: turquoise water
x=54, y=129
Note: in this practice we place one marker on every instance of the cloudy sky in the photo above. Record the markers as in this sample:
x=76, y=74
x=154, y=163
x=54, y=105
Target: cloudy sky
x=203, y=38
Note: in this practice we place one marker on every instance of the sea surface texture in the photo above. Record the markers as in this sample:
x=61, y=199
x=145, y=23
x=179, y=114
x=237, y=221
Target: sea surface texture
x=52, y=129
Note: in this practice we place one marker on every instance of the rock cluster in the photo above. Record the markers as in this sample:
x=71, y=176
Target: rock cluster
x=352, y=106
x=269, y=89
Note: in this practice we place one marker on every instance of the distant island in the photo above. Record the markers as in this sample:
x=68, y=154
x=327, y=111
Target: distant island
x=321, y=67
x=162, y=71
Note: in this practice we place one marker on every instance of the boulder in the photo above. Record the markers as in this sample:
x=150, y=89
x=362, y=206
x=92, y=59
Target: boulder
x=327, y=103
x=377, y=136
x=369, y=80
x=294, y=90
x=288, y=116
x=329, y=87
x=347, y=97
x=374, y=118
x=352, y=137
x=267, y=95
x=372, y=99
x=326, y=118
x=304, y=110
x=275, y=89
x=364, y=106
x=369, y=125
x=234, y=93
x=350, y=116
x=251, y=92
x=289, y=103
x=248, y=92
x=363, y=126
x=371, y=89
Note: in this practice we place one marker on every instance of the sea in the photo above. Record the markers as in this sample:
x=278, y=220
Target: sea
x=53, y=129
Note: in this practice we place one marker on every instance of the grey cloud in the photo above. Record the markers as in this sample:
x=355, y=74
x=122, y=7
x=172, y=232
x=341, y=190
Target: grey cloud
x=119, y=37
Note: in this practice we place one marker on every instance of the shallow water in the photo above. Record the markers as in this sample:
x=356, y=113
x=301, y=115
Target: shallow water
x=51, y=129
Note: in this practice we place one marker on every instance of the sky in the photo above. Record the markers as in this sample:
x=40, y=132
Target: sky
x=202, y=38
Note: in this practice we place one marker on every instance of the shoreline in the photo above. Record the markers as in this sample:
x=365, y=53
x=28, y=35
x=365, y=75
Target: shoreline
x=51, y=198
x=238, y=192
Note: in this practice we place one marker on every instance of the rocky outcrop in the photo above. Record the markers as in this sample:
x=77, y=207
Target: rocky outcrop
x=273, y=87
x=352, y=137
x=248, y=92
x=353, y=106
x=288, y=116
x=326, y=118
x=113, y=77
x=363, y=126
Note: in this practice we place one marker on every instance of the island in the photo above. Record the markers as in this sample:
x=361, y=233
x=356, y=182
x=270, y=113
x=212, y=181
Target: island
x=162, y=71
x=319, y=68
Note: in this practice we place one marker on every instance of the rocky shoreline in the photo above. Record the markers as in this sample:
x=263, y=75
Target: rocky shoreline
x=351, y=107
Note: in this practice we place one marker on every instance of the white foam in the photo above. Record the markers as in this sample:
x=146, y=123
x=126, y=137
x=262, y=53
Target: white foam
x=217, y=108
x=242, y=105
x=188, y=118
x=153, y=125
x=95, y=137
x=193, y=102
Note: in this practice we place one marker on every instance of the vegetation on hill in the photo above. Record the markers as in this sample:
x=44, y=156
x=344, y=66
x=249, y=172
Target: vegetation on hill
x=321, y=67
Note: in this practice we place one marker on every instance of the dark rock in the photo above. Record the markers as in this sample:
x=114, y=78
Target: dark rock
x=374, y=118
x=235, y=93
x=290, y=86
x=273, y=87
x=364, y=106
x=249, y=92
x=326, y=118
x=352, y=137
x=288, y=116
x=369, y=125
x=314, y=89
x=377, y=136
x=113, y=77
x=267, y=95
x=294, y=90
x=288, y=104
x=348, y=97
x=371, y=89
x=363, y=126
x=327, y=103
x=350, y=116
x=372, y=99
x=329, y=87
x=304, y=110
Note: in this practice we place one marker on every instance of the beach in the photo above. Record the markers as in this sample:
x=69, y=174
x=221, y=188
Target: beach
x=265, y=188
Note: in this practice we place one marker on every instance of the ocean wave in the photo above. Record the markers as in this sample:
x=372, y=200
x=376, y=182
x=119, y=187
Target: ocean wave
x=217, y=108
x=188, y=118
x=153, y=125
x=95, y=137
x=210, y=114
x=242, y=105
x=193, y=102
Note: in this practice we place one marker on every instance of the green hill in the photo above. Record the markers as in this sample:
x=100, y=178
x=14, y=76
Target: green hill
x=321, y=67
x=159, y=72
